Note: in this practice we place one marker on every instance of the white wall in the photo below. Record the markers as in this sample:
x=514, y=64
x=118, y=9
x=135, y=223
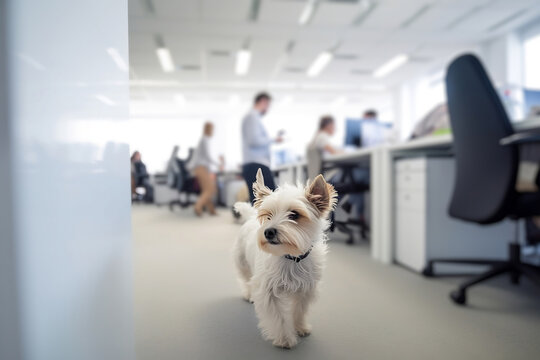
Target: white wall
x=70, y=238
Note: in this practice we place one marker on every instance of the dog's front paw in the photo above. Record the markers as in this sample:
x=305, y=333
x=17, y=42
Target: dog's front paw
x=247, y=297
x=303, y=331
x=285, y=343
x=249, y=300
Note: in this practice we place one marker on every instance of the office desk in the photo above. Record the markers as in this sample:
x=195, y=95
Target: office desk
x=382, y=246
x=380, y=159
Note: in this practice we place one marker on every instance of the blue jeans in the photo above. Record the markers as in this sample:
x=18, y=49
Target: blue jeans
x=249, y=172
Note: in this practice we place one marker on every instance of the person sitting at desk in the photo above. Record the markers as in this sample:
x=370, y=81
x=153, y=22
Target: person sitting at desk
x=367, y=131
x=321, y=140
x=349, y=180
x=140, y=177
x=201, y=166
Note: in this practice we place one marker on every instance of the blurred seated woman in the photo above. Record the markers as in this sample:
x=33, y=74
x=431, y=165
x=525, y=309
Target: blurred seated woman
x=201, y=165
x=140, y=177
x=321, y=140
x=349, y=183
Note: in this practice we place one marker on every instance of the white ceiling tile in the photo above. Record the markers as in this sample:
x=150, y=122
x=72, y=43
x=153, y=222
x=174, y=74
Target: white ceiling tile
x=280, y=12
x=225, y=10
x=181, y=10
x=195, y=29
x=328, y=13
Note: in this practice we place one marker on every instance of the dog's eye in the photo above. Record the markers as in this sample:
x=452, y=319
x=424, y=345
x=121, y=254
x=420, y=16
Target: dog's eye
x=294, y=215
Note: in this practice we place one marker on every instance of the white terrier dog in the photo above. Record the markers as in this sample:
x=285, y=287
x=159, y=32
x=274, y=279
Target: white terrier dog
x=280, y=254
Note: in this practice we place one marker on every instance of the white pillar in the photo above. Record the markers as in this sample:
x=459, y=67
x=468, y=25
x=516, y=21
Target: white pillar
x=65, y=241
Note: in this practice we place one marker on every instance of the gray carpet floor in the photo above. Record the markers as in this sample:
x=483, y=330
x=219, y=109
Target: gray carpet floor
x=188, y=304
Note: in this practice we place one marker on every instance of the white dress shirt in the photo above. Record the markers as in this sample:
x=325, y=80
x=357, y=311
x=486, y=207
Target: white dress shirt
x=256, y=142
x=202, y=155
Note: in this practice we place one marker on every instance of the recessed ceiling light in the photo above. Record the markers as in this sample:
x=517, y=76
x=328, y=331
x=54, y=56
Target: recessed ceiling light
x=243, y=58
x=118, y=59
x=307, y=12
x=391, y=65
x=319, y=64
x=165, y=59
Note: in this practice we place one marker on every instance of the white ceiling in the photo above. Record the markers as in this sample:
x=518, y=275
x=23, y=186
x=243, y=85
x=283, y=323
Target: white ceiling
x=204, y=35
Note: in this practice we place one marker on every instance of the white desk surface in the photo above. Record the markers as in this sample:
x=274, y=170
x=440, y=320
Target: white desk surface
x=351, y=155
x=418, y=144
x=423, y=143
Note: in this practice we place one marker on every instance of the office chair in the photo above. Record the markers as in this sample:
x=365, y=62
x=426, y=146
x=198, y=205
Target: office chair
x=345, y=186
x=487, y=158
x=180, y=178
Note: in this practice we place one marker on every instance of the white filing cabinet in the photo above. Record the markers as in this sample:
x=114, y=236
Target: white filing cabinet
x=423, y=228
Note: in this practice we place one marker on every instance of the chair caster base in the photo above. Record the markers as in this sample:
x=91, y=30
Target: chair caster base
x=458, y=297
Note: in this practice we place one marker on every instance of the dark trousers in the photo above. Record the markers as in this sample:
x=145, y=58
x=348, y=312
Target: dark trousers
x=249, y=172
x=149, y=193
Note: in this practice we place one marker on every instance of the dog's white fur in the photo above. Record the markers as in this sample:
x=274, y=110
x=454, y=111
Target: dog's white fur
x=280, y=288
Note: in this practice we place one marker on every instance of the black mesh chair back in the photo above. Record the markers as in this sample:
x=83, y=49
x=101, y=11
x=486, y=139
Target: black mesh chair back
x=485, y=171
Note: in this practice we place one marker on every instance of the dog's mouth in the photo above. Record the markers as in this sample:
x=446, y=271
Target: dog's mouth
x=274, y=241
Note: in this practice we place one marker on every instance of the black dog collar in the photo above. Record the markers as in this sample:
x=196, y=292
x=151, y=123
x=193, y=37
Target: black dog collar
x=297, y=259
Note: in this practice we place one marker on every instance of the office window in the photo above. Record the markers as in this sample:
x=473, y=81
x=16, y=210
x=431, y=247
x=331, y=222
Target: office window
x=531, y=57
x=430, y=91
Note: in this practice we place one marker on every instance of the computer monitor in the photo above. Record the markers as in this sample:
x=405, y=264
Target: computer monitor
x=365, y=133
x=353, y=132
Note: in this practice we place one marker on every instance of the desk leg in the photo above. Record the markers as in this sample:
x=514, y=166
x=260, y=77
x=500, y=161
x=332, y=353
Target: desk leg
x=387, y=210
x=381, y=188
x=375, y=189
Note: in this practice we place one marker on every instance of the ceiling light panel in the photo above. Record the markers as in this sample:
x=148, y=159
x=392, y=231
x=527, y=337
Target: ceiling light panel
x=391, y=65
x=165, y=59
x=319, y=64
x=243, y=61
x=308, y=11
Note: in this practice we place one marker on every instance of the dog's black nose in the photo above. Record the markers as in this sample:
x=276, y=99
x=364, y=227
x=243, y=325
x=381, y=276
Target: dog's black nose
x=270, y=234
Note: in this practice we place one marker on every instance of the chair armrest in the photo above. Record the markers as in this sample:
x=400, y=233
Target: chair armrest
x=521, y=138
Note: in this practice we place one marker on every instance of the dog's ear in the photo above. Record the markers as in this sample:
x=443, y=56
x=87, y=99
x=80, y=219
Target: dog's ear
x=322, y=195
x=259, y=189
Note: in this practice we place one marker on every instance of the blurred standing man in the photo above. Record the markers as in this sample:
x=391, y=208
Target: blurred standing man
x=256, y=144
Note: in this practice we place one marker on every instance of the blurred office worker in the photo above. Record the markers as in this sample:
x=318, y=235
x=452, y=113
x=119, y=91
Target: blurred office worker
x=201, y=165
x=372, y=132
x=256, y=144
x=321, y=140
x=140, y=177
